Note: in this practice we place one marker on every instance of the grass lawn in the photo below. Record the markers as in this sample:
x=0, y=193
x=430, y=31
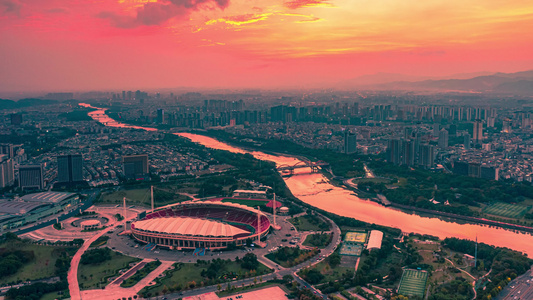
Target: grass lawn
x=374, y=180
x=507, y=210
x=331, y=274
x=140, y=197
x=318, y=240
x=140, y=274
x=184, y=274
x=42, y=266
x=55, y=295
x=102, y=271
x=251, y=203
x=305, y=223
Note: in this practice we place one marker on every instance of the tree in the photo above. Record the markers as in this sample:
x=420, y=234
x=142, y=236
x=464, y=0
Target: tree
x=314, y=276
x=334, y=260
x=250, y=262
x=288, y=278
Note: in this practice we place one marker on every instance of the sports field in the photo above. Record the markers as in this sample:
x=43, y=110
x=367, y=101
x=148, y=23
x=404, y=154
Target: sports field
x=413, y=283
x=507, y=210
x=351, y=249
x=355, y=237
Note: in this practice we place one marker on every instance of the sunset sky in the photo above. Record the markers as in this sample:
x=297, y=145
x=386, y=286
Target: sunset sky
x=129, y=44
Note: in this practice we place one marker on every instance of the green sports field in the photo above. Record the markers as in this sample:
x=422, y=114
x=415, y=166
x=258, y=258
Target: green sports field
x=413, y=283
x=507, y=210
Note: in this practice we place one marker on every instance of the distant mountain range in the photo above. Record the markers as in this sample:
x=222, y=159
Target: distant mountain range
x=513, y=83
x=10, y=104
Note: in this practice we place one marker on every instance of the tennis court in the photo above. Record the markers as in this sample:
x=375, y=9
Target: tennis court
x=413, y=283
x=355, y=237
x=351, y=249
x=507, y=210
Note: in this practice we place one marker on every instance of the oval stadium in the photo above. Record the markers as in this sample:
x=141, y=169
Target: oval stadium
x=201, y=224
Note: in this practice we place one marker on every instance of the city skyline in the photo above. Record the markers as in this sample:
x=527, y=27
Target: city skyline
x=70, y=45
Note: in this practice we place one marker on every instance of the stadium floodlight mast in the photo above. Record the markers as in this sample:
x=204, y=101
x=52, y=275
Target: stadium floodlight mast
x=258, y=223
x=152, y=196
x=125, y=213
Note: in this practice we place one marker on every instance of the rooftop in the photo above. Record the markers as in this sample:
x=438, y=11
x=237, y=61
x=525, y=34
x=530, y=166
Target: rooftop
x=188, y=226
x=18, y=207
x=47, y=197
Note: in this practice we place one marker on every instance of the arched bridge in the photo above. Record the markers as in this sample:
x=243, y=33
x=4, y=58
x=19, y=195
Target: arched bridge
x=288, y=170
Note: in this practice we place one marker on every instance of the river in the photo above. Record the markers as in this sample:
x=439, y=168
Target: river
x=315, y=190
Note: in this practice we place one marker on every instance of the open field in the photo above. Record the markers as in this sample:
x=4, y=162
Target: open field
x=95, y=276
x=331, y=274
x=507, y=210
x=186, y=274
x=42, y=266
x=355, y=237
x=141, y=197
x=413, y=282
x=309, y=223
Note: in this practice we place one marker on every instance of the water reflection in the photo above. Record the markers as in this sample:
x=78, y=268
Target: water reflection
x=315, y=190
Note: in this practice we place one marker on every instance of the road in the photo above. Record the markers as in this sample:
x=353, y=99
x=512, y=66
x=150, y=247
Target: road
x=521, y=288
x=126, y=246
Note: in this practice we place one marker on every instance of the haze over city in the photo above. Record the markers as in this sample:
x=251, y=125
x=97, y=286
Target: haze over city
x=101, y=45
x=266, y=150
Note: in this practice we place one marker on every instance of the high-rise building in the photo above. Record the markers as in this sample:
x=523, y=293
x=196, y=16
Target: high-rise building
x=70, y=168
x=7, y=175
x=488, y=172
x=466, y=142
x=31, y=177
x=452, y=130
x=426, y=156
x=350, y=142
x=8, y=150
x=160, y=116
x=135, y=166
x=443, y=138
x=478, y=132
x=436, y=130
x=460, y=168
x=394, y=151
x=408, y=153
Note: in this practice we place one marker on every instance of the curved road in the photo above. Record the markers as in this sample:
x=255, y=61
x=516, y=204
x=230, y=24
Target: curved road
x=73, y=285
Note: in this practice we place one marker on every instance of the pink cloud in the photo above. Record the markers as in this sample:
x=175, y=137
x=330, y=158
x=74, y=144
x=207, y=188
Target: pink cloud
x=157, y=13
x=294, y=4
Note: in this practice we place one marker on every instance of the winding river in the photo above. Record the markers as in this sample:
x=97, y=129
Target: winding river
x=315, y=190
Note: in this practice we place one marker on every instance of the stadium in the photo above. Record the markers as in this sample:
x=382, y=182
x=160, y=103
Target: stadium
x=201, y=224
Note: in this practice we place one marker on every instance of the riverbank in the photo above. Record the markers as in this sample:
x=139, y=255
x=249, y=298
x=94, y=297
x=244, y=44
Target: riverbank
x=386, y=203
x=315, y=190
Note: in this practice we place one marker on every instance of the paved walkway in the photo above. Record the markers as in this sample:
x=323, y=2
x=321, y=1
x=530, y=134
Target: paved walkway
x=114, y=291
x=73, y=285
